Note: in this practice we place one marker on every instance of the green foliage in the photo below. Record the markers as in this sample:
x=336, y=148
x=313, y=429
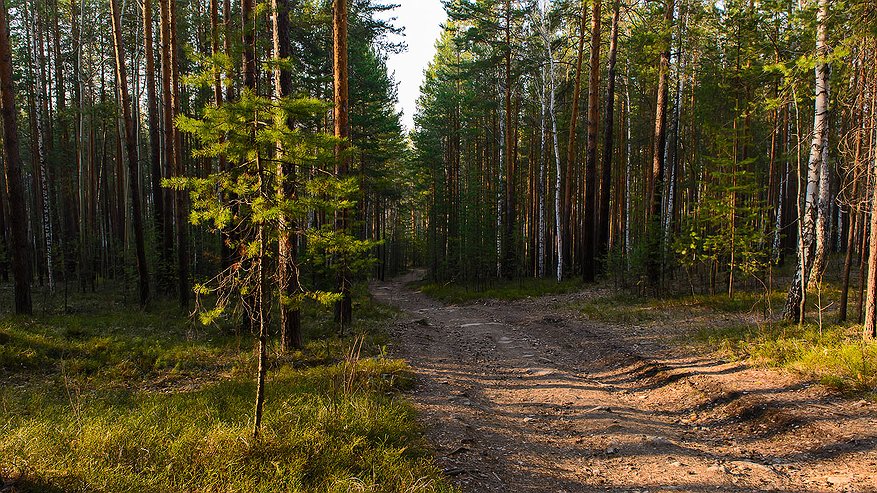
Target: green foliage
x=249, y=204
x=726, y=226
x=630, y=308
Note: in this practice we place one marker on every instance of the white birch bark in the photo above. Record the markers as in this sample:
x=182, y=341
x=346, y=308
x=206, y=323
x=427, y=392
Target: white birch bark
x=808, y=216
x=627, y=166
x=40, y=127
x=545, y=30
x=500, y=194
x=542, y=175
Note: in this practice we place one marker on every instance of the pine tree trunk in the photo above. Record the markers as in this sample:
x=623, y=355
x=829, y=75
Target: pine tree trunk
x=543, y=150
x=180, y=197
x=344, y=308
x=608, y=140
x=589, y=243
x=568, y=184
x=261, y=310
x=287, y=272
x=167, y=207
x=152, y=121
x=869, y=331
x=657, y=176
x=131, y=150
x=12, y=168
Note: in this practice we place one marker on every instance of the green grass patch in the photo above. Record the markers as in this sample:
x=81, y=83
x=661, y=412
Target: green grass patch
x=835, y=356
x=630, y=308
x=497, y=289
x=114, y=399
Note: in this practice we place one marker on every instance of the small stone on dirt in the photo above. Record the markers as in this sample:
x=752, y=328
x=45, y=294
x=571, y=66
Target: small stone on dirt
x=838, y=480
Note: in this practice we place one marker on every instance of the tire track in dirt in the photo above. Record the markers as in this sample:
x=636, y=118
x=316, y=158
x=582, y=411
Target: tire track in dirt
x=522, y=396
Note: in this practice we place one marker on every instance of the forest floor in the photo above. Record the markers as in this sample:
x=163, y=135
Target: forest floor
x=532, y=395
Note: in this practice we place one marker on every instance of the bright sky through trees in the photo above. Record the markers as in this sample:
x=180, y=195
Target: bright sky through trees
x=422, y=21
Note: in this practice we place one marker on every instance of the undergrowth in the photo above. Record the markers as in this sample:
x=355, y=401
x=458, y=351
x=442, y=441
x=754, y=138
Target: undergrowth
x=630, y=308
x=113, y=399
x=747, y=328
x=835, y=356
x=497, y=289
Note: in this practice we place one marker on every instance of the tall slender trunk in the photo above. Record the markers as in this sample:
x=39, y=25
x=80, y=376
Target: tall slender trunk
x=543, y=150
x=657, y=176
x=823, y=206
x=168, y=135
x=41, y=126
x=509, y=261
x=795, y=300
x=152, y=120
x=589, y=235
x=608, y=140
x=344, y=308
x=628, y=248
x=869, y=331
x=559, y=224
x=180, y=197
x=261, y=308
x=288, y=280
x=12, y=168
x=131, y=150
x=568, y=183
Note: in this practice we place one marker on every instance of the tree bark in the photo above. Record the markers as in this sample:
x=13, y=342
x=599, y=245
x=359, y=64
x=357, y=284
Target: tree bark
x=131, y=151
x=571, y=146
x=168, y=137
x=152, y=120
x=608, y=140
x=287, y=273
x=795, y=301
x=509, y=262
x=12, y=168
x=657, y=176
x=248, y=33
x=589, y=235
x=344, y=308
x=180, y=197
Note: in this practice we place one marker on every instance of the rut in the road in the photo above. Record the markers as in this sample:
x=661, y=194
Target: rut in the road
x=520, y=396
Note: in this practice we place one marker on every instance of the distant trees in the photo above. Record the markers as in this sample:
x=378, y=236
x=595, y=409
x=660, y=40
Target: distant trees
x=12, y=167
x=86, y=167
x=131, y=152
x=716, y=104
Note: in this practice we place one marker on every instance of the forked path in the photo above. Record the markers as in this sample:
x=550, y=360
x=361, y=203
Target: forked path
x=525, y=396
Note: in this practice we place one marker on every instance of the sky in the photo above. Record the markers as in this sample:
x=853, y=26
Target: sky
x=422, y=21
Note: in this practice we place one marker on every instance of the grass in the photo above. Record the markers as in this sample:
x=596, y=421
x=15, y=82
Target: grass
x=628, y=308
x=497, y=289
x=835, y=356
x=113, y=399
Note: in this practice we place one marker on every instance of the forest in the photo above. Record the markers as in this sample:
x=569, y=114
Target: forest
x=622, y=238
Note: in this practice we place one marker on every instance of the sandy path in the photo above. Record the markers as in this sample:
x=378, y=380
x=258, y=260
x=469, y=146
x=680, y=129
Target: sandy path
x=520, y=396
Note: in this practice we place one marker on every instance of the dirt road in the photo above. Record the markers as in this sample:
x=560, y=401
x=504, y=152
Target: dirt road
x=525, y=396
